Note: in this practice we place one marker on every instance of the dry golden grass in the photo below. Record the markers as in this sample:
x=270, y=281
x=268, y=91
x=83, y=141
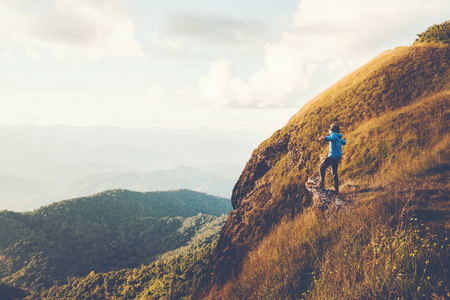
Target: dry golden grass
x=375, y=251
x=402, y=144
x=395, y=117
x=277, y=262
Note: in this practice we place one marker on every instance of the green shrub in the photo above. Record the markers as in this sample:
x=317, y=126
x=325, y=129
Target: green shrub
x=437, y=33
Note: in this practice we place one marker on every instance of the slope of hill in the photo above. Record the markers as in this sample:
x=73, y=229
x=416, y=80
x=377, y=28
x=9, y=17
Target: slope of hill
x=109, y=231
x=394, y=113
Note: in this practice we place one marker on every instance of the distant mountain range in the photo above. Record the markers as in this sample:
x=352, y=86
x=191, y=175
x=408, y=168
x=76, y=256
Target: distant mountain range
x=183, y=177
x=40, y=165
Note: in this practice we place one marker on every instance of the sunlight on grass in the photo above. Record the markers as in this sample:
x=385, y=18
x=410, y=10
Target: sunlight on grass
x=376, y=251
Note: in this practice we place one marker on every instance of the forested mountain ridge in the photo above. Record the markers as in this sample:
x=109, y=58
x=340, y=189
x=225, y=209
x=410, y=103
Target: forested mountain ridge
x=108, y=231
x=179, y=277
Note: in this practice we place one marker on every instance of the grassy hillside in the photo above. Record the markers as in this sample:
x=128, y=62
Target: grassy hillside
x=272, y=184
x=381, y=249
x=108, y=231
x=394, y=112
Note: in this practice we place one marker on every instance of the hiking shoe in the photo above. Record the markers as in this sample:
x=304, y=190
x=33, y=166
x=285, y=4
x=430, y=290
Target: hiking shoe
x=318, y=186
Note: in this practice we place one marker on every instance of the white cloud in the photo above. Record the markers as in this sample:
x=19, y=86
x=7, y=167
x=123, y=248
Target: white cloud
x=219, y=29
x=218, y=83
x=66, y=28
x=327, y=40
x=168, y=45
x=164, y=98
x=222, y=88
x=200, y=35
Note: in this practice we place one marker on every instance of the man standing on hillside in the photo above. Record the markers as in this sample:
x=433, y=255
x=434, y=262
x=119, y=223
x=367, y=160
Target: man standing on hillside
x=333, y=158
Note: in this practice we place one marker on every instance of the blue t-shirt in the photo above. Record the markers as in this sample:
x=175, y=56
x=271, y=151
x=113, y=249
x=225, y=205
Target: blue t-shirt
x=335, y=144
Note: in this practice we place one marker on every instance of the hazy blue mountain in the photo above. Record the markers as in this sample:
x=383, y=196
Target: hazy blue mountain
x=161, y=180
x=39, y=165
x=220, y=184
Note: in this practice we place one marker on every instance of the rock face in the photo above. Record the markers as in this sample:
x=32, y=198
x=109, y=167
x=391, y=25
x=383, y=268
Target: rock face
x=255, y=205
x=272, y=185
x=326, y=200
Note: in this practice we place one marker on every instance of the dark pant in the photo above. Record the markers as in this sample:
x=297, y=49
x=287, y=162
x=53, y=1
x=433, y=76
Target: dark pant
x=334, y=163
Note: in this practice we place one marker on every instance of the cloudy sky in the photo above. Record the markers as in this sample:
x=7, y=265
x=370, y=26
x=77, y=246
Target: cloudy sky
x=186, y=64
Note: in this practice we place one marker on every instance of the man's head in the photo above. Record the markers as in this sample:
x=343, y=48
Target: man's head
x=334, y=128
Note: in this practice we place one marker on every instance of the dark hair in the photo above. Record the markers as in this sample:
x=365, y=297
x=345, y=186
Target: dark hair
x=334, y=128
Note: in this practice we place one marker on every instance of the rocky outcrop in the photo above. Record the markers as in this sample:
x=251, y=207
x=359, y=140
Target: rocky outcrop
x=326, y=200
x=256, y=206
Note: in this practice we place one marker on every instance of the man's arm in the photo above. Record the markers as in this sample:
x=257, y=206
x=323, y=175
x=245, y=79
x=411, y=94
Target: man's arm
x=321, y=138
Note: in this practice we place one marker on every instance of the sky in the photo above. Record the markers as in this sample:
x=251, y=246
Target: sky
x=187, y=64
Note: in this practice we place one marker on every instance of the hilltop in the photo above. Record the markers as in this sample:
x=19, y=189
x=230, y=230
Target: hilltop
x=108, y=231
x=394, y=113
